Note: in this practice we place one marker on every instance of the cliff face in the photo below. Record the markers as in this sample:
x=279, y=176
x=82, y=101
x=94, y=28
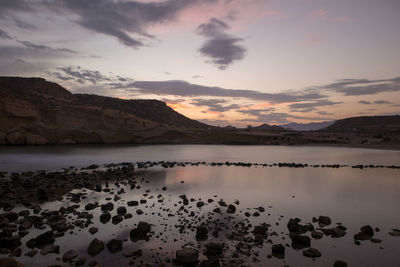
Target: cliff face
x=34, y=111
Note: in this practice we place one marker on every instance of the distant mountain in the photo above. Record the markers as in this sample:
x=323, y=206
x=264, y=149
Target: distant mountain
x=267, y=127
x=313, y=126
x=35, y=111
x=367, y=124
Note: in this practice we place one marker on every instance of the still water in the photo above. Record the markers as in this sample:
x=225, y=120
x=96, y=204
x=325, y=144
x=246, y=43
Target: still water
x=353, y=197
x=27, y=158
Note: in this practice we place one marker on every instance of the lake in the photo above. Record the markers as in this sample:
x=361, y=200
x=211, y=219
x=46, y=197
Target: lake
x=349, y=196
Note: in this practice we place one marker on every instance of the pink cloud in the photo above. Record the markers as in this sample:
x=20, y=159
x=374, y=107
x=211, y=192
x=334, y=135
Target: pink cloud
x=313, y=38
x=342, y=19
x=318, y=14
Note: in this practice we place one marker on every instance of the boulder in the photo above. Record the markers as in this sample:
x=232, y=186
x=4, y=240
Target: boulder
x=95, y=247
x=187, y=256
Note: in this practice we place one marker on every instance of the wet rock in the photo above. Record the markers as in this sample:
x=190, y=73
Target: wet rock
x=139, y=212
x=324, y=221
x=317, y=234
x=128, y=216
x=214, y=249
x=141, y=232
x=337, y=232
x=80, y=261
x=312, y=253
x=109, y=206
x=201, y=233
x=376, y=240
x=114, y=245
x=278, y=251
x=95, y=247
x=187, y=256
x=16, y=253
x=200, y=204
x=93, y=230
x=11, y=216
x=133, y=203
x=121, y=211
x=395, y=232
x=105, y=217
x=231, y=209
x=9, y=241
x=340, y=263
x=90, y=206
x=164, y=188
x=69, y=255
x=367, y=230
x=117, y=219
x=50, y=249
x=300, y=241
x=296, y=228
x=10, y=262
x=45, y=239
x=31, y=253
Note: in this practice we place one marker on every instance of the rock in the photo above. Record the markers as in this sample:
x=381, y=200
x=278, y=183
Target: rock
x=133, y=203
x=317, y=234
x=109, y=206
x=90, y=206
x=69, y=255
x=93, y=230
x=105, y=217
x=337, y=232
x=114, y=245
x=50, y=249
x=395, y=232
x=278, y=251
x=121, y=211
x=200, y=204
x=139, y=212
x=312, y=253
x=296, y=228
x=362, y=236
x=140, y=232
x=80, y=260
x=16, y=138
x=128, y=216
x=164, y=188
x=131, y=253
x=117, y=219
x=324, y=221
x=340, y=263
x=201, y=233
x=214, y=250
x=367, y=230
x=187, y=256
x=10, y=262
x=95, y=247
x=31, y=253
x=11, y=216
x=45, y=239
x=231, y=209
x=300, y=241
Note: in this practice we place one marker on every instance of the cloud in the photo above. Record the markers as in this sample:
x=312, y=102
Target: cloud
x=222, y=48
x=214, y=105
x=313, y=38
x=268, y=116
x=356, y=87
x=44, y=47
x=310, y=106
x=382, y=102
x=182, y=88
x=4, y=35
x=364, y=102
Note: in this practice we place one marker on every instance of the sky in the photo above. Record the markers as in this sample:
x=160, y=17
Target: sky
x=222, y=62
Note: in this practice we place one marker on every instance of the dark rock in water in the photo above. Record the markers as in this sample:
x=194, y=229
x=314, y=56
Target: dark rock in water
x=201, y=233
x=395, y=232
x=324, y=221
x=10, y=241
x=117, y=219
x=294, y=226
x=300, y=241
x=140, y=232
x=105, y=217
x=361, y=236
x=128, y=216
x=139, y=212
x=69, y=255
x=80, y=261
x=376, y=240
x=312, y=253
x=31, y=243
x=31, y=253
x=214, y=249
x=10, y=262
x=107, y=207
x=133, y=203
x=278, y=251
x=164, y=188
x=95, y=247
x=114, y=245
x=317, y=234
x=261, y=209
x=367, y=230
x=90, y=206
x=11, y=216
x=337, y=232
x=340, y=263
x=93, y=230
x=133, y=252
x=50, y=249
x=231, y=209
x=187, y=256
x=121, y=211
x=45, y=239
x=200, y=204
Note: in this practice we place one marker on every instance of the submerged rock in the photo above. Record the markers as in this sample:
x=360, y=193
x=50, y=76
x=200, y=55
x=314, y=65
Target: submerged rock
x=69, y=255
x=187, y=256
x=95, y=247
x=114, y=245
x=140, y=232
x=324, y=221
x=278, y=251
x=312, y=253
x=201, y=233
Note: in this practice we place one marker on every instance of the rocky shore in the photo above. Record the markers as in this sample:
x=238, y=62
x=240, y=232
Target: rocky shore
x=43, y=213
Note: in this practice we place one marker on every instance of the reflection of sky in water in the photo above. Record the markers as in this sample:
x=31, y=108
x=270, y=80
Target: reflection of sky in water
x=351, y=196
x=26, y=158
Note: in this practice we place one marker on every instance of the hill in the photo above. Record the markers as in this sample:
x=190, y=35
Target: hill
x=367, y=124
x=267, y=127
x=313, y=126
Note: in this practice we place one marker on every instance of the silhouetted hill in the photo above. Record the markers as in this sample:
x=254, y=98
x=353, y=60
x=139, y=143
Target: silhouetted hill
x=367, y=124
x=267, y=127
x=313, y=126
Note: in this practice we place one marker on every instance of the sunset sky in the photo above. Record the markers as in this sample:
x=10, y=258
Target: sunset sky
x=223, y=62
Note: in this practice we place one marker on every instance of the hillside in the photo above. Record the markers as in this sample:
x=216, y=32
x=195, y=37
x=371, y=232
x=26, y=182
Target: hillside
x=367, y=124
x=35, y=111
x=267, y=127
x=313, y=126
